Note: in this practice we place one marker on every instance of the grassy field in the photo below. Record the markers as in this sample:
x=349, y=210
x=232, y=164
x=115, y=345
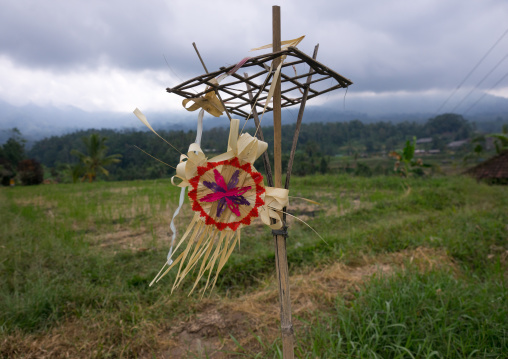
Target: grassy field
x=409, y=269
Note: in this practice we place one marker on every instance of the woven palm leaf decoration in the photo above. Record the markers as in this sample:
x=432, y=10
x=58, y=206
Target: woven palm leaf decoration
x=226, y=192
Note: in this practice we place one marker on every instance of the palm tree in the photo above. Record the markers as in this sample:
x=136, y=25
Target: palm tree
x=74, y=171
x=96, y=158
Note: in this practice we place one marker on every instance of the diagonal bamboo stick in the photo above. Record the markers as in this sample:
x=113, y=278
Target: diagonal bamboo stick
x=214, y=86
x=299, y=121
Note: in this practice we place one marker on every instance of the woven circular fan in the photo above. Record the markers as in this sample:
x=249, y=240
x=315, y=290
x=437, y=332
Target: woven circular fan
x=227, y=194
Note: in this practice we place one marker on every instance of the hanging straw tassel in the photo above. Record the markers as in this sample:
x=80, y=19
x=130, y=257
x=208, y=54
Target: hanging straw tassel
x=205, y=243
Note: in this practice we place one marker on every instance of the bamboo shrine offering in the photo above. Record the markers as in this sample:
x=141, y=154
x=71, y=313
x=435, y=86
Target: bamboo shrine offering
x=226, y=191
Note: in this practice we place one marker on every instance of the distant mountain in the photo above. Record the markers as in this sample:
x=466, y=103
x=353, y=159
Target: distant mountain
x=37, y=122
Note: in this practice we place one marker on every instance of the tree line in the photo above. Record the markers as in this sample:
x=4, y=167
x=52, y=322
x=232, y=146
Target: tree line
x=15, y=164
x=317, y=143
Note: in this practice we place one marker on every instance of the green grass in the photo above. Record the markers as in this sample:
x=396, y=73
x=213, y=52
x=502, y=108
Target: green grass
x=55, y=268
x=464, y=217
x=414, y=315
x=51, y=272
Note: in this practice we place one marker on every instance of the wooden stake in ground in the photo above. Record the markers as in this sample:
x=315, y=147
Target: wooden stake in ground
x=281, y=262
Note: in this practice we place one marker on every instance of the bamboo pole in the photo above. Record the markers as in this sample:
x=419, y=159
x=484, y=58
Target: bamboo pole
x=277, y=146
x=281, y=262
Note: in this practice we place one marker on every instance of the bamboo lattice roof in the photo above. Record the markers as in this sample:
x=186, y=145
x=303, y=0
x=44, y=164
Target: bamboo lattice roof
x=234, y=89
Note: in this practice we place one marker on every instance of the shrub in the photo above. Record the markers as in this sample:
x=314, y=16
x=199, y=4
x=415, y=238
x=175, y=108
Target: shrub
x=30, y=172
x=6, y=172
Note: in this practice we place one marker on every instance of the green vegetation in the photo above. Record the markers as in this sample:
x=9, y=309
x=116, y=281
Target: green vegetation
x=414, y=315
x=319, y=144
x=12, y=152
x=406, y=162
x=480, y=144
x=76, y=260
x=95, y=157
x=424, y=259
x=501, y=140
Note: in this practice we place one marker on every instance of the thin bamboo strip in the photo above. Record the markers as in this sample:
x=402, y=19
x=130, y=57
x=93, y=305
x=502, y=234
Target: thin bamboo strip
x=266, y=159
x=298, y=124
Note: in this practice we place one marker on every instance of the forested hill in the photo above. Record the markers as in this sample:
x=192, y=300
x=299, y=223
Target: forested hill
x=316, y=139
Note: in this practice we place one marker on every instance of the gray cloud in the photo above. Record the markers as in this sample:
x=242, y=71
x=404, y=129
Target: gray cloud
x=70, y=33
x=390, y=45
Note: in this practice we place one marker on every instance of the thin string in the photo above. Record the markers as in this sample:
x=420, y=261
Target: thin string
x=143, y=119
x=155, y=158
x=345, y=93
x=199, y=133
x=301, y=220
x=174, y=72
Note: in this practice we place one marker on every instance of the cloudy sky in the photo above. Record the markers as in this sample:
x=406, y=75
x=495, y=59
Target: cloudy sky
x=110, y=56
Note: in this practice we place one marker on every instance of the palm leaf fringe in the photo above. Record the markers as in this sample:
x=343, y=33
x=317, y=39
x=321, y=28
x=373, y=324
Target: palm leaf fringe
x=206, y=243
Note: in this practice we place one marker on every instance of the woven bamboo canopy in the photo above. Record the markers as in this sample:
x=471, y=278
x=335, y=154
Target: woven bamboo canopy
x=235, y=89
